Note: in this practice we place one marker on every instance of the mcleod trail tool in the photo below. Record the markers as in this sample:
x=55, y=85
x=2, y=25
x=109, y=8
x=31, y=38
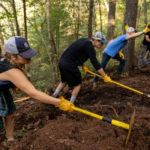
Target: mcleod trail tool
x=22, y=99
x=131, y=126
x=124, y=86
x=112, y=121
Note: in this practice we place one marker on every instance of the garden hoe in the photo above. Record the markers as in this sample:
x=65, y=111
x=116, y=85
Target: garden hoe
x=22, y=99
x=85, y=69
x=130, y=126
x=112, y=121
x=103, y=118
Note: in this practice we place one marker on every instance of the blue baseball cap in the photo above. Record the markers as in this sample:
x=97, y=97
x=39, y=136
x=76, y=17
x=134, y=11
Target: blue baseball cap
x=19, y=45
x=100, y=36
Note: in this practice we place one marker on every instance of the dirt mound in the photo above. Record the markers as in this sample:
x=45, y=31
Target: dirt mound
x=43, y=127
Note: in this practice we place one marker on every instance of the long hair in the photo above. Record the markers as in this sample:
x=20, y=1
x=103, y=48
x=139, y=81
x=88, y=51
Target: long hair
x=7, y=57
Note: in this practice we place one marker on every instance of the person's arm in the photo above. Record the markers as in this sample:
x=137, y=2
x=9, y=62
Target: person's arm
x=92, y=56
x=147, y=38
x=146, y=30
x=134, y=35
x=101, y=71
x=19, y=80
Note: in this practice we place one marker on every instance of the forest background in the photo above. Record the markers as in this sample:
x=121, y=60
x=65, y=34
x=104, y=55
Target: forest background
x=52, y=25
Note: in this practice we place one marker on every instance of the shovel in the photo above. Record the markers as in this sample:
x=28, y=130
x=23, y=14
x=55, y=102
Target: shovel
x=85, y=69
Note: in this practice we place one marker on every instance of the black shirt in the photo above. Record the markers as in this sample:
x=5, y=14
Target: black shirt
x=5, y=66
x=146, y=42
x=78, y=52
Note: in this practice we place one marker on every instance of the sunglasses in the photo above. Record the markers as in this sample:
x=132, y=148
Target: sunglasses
x=100, y=41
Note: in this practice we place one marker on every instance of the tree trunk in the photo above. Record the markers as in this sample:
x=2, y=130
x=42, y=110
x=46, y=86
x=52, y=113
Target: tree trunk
x=94, y=19
x=145, y=11
x=78, y=19
x=1, y=42
x=16, y=19
x=106, y=5
x=25, y=19
x=9, y=18
x=111, y=19
x=130, y=19
x=100, y=14
x=91, y=4
x=139, y=13
x=52, y=44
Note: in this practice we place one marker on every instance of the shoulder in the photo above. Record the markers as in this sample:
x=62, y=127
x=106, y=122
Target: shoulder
x=123, y=36
x=5, y=65
x=85, y=40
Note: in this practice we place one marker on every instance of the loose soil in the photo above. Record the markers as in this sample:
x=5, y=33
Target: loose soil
x=44, y=127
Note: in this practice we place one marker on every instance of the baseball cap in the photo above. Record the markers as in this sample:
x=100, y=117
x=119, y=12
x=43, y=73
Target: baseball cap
x=130, y=29
x=19, y=45
x=100, y=36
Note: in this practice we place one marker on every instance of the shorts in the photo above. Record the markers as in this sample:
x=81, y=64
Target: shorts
x=70, y=74
x=7, y=105
x=1, y=123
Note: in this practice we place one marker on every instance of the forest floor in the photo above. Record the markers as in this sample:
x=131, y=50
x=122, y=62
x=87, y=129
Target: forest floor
x=44, y=127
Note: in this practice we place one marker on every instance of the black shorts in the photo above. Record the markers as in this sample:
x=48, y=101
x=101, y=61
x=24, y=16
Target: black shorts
x=70, y=74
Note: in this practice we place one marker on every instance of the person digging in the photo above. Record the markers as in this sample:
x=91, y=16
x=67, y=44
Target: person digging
x=18, y=53
x=73, y=57
x=145, y=50
x=113, y=50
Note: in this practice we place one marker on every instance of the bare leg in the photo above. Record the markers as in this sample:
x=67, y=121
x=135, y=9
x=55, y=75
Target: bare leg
x=9, y=126
x=59, y=88
x=75, y=93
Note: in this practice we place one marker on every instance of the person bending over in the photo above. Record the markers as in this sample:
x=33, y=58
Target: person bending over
x=113, y=50
x=145, y=49
x=19, y=53
x=75, y=55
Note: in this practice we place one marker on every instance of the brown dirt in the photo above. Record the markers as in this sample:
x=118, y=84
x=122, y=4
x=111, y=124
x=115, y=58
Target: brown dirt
x=43, y=127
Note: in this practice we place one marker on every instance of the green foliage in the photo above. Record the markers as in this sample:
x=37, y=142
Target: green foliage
x=63, y=22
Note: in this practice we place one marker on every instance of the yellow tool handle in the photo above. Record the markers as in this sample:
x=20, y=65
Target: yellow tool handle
x=113, y=122
x=118, y=84
x=22, y=99
x=120, y=124
x=87, y=112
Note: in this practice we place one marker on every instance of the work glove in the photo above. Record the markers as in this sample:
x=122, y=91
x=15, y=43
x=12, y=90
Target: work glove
x=85, y=69
x=147, y=29
x=121, y=54
x=106, y=78
x=65, y=105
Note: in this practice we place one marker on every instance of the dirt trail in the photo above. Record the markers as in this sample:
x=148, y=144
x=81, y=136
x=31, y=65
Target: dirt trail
x=43, y=127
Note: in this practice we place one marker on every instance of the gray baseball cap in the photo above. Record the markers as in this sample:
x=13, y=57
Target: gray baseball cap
x=130, y=29
x=19, y=45
x=100, y=36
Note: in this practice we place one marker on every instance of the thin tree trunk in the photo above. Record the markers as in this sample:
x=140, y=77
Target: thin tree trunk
x=58, y=35
x=91, y=4
x=52, y=44
x=106, y=4
x=1, y=42
x=139, y=13
x=94, y=17
x=100, y=14
x=111, y=19
x=130, y=19
x=78, y=20
x=9, y=18
x=16, y=19
x=25, y=19
x=145, y=11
